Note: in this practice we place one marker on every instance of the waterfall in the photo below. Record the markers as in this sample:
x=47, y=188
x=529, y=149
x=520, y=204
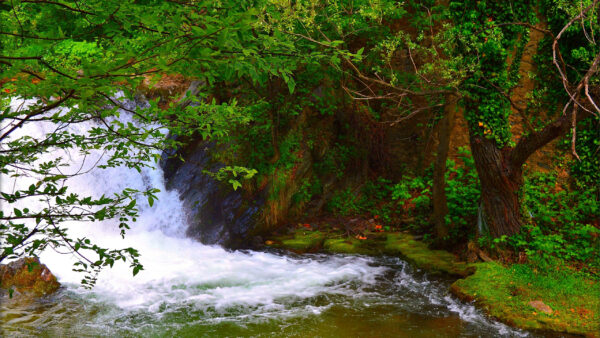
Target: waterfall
x=176, y=269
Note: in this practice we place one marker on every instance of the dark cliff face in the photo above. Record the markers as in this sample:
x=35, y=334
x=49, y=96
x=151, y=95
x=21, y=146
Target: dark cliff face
x=216, y=213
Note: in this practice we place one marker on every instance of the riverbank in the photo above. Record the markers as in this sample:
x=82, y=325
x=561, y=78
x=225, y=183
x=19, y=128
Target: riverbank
x=518, y=295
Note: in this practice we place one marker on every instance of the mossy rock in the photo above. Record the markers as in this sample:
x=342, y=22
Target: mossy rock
x=352, y=246
x=507, y=295
x=300, y=241
x=28, y=275
x=394, y=244
x=434, y=261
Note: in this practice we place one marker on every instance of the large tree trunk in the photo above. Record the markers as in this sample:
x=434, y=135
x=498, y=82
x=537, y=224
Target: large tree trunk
x=500, y=184
x=440, y=206
x=501, y=175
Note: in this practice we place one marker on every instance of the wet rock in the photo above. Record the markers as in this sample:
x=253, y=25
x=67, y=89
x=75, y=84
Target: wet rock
x=216, y=213
x=540, y=306
x=28, y=275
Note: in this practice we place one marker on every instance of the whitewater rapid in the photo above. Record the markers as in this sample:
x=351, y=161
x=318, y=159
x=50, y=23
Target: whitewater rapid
x=176, y=269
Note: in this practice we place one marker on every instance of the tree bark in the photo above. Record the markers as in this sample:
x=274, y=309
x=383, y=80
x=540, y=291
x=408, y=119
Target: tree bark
x=501, y=176
x=440, y=205
x=500, y=184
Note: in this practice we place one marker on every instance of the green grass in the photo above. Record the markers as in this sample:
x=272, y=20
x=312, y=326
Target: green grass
x=505, y=293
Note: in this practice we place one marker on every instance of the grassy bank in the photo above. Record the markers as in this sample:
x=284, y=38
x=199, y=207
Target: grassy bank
x=561, y=301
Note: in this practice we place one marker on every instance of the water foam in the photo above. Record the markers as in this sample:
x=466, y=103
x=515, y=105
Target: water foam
x=178, y=269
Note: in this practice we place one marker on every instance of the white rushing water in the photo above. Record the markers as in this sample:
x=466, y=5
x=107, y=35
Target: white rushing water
x=184, y=276
x=176, y=268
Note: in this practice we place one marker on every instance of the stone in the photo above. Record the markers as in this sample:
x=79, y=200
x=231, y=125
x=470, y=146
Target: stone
x=28, y=275
x=540, y=306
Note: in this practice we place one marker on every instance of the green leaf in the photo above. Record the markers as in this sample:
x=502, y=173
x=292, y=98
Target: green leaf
x=291, y=85
x=150, y=200
x=235, y=183
x=136, y=269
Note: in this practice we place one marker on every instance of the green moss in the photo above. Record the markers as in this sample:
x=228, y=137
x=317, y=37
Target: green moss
x=304, y=241
x=435, y=261
x=353, y=246
x=506, y=293
x=395, y=244
x=341, y=245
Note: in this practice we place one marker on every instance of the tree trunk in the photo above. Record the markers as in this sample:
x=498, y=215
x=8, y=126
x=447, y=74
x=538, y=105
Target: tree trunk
x=500, y=183
x=440, y=206
x=501, y=176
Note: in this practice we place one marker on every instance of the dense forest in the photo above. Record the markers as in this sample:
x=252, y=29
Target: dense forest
x=270, y=167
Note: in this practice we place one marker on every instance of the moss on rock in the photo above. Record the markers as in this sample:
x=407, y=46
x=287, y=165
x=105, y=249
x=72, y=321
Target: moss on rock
x=395, y=244
x=434, y=261
x=28, y=275
x=301, y=241
x=353, y=246
x=342, y=245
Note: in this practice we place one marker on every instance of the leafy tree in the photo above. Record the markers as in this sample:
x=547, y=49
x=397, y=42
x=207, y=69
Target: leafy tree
x=470, y=52
x=69, y=59
x=498, y=31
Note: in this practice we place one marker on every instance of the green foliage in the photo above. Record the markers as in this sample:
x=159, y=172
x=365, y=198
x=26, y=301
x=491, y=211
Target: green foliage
x=559, y=229
x=307, y=190
x=585, y=169
x=70, y=61
x=412, y=198
x=263, y=65
x=335, y=160
x=561, y=222
x=372, y=198
x=346, y=203
x=462, y=196
x=486, y=45
x=232, y=175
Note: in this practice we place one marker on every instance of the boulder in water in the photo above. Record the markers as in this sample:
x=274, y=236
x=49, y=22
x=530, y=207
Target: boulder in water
x=28, y=275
